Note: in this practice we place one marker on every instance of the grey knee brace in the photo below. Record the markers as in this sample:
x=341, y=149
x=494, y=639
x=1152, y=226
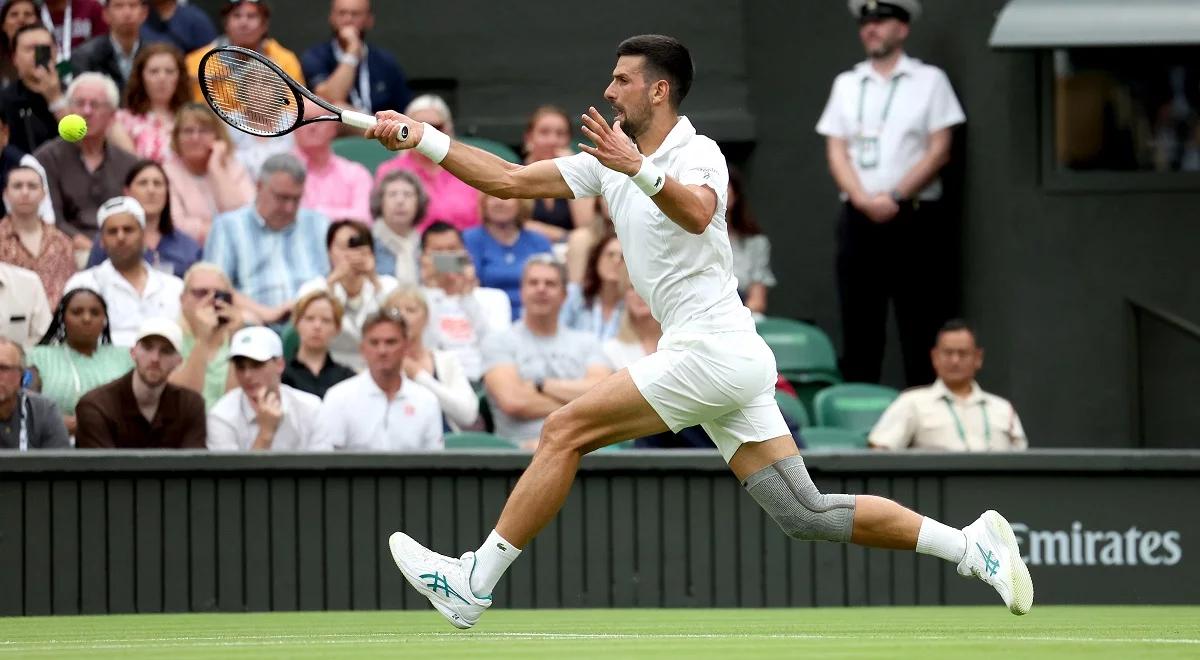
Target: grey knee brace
x=786, y=492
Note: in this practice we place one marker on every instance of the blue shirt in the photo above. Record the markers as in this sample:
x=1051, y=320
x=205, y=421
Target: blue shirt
x=577, y=314
x=188, y=28
x=385, y=85
x=499, y=266
x=268, y=265
x=176, y=251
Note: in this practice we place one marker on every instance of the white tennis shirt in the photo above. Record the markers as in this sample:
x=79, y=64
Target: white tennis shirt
x=686, y=279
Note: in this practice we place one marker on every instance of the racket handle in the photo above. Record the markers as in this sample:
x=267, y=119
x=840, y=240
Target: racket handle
x=358, y=119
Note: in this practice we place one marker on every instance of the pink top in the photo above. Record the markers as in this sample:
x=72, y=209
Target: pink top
x=195, y=200
x=450, y=200
x=151, y=133
x=340, y=189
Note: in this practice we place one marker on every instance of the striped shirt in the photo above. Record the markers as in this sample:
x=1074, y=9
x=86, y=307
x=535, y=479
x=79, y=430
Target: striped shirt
x=268, y=265
x=67, y=375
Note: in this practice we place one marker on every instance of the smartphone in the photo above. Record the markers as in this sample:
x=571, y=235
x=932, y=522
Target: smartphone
x=41, y=56
x=225, y=297
x=450, y=262
x=356, y=241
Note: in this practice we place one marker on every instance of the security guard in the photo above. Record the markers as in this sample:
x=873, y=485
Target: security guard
x=888, y=126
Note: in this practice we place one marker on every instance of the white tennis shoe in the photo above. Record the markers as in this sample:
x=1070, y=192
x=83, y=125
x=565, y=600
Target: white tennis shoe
x=993, y=556
x=445, y=581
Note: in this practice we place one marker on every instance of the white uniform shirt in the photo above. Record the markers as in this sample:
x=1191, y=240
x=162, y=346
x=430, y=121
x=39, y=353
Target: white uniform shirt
x=686, y=279
x=126, y=308
x=933, y=418
x=233, y=424
x=922, y=102
x=24, y=309
x=357, y=415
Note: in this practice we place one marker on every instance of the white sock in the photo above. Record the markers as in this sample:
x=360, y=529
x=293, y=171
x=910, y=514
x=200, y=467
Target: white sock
x=941, y=541
x=492, y=559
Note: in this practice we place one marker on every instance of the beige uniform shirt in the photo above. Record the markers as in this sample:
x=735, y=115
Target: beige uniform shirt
x=24, y=310
x=933, y=418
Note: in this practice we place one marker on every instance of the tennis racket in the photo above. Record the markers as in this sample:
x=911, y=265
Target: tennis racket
x=252, y=94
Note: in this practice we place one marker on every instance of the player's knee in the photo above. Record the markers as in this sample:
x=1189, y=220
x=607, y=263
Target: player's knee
x=786, y=492
x=560, y=433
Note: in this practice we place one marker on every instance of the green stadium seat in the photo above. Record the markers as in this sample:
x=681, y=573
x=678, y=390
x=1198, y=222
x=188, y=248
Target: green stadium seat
x=825, y=438
x=491, y=146
x=804, y=356
x=291, y=341
x=853, y=406
x=792, y=407
x=368, y=153
x=476, y=440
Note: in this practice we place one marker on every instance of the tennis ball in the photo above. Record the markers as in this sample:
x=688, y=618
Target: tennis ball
x=72, y=128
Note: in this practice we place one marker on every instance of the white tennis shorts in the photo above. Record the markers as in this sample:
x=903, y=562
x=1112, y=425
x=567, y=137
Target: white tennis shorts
x=725, y=382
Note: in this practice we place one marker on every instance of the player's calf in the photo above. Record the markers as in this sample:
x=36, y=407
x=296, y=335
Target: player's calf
x=787, y=493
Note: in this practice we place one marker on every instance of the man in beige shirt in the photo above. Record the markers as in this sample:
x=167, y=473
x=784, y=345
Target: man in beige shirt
x=953, y=414
x=24, y=310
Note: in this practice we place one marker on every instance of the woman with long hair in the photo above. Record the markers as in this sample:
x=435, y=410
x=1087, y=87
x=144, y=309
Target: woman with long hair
x=14, y=15
x=500, y=247
x=76, y=354
x=206, y=178
x=547, y=136
x=167, y=249
x=156, y=90
x=595, y=305
x=751, y=247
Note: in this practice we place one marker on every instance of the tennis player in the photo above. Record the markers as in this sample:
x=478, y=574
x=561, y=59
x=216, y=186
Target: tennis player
x=666, y=185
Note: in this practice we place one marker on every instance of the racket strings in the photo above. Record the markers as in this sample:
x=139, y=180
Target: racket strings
x=249, y=95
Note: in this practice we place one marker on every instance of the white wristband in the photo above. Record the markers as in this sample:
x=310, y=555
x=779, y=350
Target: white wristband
x=650, y=179
x=434, y=144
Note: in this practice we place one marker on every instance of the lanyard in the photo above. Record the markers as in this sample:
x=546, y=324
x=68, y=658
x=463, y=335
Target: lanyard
x=958, y=426
x=64, y=48
x=23, y=433
x=887, y=106
x=360, y=95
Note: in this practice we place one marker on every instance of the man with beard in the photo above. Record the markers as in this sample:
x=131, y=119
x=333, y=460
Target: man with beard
x=141, y=410
x=347, y=69
x=888, y=127
x=666, y=186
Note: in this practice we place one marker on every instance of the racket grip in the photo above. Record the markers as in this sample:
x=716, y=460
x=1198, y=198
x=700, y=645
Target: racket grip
x=358, y=119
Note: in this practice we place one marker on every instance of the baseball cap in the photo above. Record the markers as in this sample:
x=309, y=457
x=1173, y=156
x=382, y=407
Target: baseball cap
x=162, y=327
x=118, y=205
x=259, y=343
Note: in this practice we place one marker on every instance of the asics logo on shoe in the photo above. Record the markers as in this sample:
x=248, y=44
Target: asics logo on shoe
x=990, y=563
x=438, y=581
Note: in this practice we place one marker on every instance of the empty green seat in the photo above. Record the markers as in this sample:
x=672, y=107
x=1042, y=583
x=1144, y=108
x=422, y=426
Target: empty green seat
x=792, y=407
x=803, y=354
x=368, y=153
x=825, y=438
x=853, y=406
x=476, y=440
x=491, y=146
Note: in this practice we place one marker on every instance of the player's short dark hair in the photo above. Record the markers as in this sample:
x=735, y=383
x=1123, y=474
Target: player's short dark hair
x=439, y=227
x=958, y=325
x=32, y=27
x=666, y=59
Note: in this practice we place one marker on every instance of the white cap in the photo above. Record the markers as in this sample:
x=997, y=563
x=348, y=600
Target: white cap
x=885, y=8
x=161, y=327
x=118, y=205
x=259, y=343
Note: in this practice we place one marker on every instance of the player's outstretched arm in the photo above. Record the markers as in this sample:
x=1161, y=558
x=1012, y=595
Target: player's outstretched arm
x=690, y=207
x=476, y=167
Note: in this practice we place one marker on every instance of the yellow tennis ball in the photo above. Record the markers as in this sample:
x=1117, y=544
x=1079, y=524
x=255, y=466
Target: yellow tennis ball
x=72, y=128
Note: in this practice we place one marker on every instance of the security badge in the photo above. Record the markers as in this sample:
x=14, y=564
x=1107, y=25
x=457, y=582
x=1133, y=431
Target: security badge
x=868, y=149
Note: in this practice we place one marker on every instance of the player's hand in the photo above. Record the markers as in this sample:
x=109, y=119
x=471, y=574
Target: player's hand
x=387, y=131
x=613, y=148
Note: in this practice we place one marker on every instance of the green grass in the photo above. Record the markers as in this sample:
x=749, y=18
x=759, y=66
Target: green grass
x=893, y=632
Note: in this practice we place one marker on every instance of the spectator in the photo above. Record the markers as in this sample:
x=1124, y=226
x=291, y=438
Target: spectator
x=34, y=102
x=438, y=371
x=74, y=22
x=134, y=291
x=113, y=54
x=167, y=249
x=751, y=247
x=318, y=318
x=396, y=203
x=450, y=200
x=141, y=410
x=186, y=26
x=206, y=178
x=379, y=409
x=76, y=354
x=271, y=247
x=27, y=420
x=461, y=313
x=595, y=306
x=86, y=173
x=888, y=128
x=354, y=283
x=346, y=69
x=11, y=157
x=500, y=247
x=27, y=241
x=548, y=136
x=14, y=15
x=155, y=92
x=581, y=241
x=209, y=318
x=538, y=366
x=336, y=187
x=953, y=414
x=637, y=335
x=262, y=413
x=24, y=311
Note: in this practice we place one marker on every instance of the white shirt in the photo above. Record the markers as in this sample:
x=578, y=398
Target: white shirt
x=686, y=279
x=233, y=424
x=345, y=346
x=934, y=418
x=621, y=354
x=458, y=324
x=126, y=308
x=922, y=103
x=24, y=309
x=357, y=415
